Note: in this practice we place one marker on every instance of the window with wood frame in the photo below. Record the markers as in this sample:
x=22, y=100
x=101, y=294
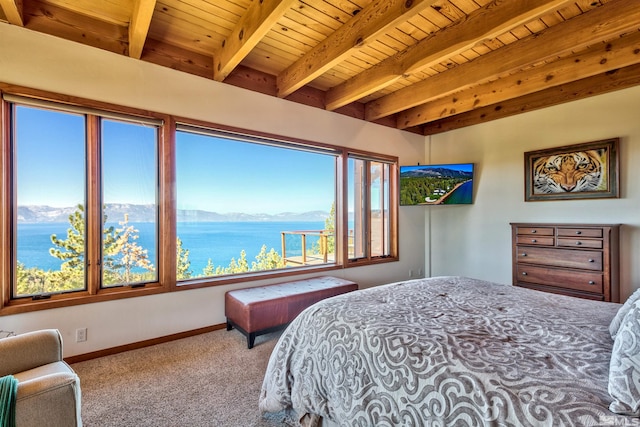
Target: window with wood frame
x=372, y=213
x=52, y=163
x=101, y=202
x=247, y=204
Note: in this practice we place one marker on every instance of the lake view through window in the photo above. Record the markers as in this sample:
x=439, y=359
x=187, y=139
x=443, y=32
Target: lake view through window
x=102, y=202
x=251, y=205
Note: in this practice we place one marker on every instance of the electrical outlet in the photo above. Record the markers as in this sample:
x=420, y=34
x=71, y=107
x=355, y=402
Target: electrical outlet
x=81, y=335
x=410, y=273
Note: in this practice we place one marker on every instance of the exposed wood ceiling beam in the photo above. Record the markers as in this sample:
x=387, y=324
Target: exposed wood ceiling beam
x=371, y=21
x=177, y=58
x=486, y=23
x=603, y=83
x=252, y=27
x=139, y=26
x=603, y=23
x=61, y=22
x=13, y=11
x=596, y=60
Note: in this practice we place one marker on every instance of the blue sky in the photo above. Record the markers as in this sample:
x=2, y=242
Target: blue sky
x=50, y=158
x=221, y=175
x=213, y=174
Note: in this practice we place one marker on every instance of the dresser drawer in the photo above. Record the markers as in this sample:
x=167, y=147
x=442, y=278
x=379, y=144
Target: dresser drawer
x=535, y=240
x=535, y=231
x=580, y=232
x=561, y=291
x=577, y=280
x=580, y=243
x=585, y=260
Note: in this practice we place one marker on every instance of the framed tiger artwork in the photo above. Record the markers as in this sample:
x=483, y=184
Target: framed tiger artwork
x=581, y=171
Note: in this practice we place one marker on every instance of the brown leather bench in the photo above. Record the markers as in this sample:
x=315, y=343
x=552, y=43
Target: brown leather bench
x=263, y=309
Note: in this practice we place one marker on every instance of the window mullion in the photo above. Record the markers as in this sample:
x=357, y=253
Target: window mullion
x=385, y=206
x=383, y=214
x=341, y=218
x=7, y=200
x=94, y=214
x=367, y=202
x=167, y=200
x=360, y=220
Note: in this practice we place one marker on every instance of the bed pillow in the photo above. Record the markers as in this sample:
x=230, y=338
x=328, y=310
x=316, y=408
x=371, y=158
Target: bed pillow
x=624, y=369
x=622, y=312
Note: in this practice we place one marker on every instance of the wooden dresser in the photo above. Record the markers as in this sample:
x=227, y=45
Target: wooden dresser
x=580, y=260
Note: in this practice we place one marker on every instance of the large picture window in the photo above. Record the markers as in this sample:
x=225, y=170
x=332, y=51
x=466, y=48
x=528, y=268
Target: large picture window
x=101, y=202
x=249, y=205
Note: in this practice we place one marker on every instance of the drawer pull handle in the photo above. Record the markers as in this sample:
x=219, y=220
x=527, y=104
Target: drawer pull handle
x=534, y=231
x=578, y=243
x=524, y=254
x=578, y=232
x=592, y=260
x=533, y=240
x=591, y=282
x=524, y=273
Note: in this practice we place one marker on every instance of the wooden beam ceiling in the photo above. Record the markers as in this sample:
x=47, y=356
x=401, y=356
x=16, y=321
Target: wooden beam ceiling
x=599, y=59
x=486, y=23
x=250, y=30
x=369, y=23
x=417, y=65
x=601, y=24
x=579, y=89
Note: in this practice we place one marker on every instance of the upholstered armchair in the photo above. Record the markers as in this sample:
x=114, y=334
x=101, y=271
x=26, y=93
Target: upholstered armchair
x=48, y=389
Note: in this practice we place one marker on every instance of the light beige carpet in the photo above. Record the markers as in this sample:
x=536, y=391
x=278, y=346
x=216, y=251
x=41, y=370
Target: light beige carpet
x=207, y=380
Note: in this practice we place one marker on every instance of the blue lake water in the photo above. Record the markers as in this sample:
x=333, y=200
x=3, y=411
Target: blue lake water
x=462, y=194
x=218, y=241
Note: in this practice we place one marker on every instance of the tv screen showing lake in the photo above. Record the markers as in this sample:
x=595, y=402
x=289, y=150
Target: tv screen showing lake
x=218, y=241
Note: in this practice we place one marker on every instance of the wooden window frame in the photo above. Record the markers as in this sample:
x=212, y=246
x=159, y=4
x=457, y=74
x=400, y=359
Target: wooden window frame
x=393, y=255
x=166, y=204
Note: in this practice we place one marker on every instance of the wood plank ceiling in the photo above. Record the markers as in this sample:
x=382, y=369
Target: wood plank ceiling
x=426, y=66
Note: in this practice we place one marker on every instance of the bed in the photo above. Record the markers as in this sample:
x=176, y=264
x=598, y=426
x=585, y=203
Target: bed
x=447, y=351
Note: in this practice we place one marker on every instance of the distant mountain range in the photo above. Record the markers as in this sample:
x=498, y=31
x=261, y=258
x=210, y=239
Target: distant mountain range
x=429, y=172
x=147, y=213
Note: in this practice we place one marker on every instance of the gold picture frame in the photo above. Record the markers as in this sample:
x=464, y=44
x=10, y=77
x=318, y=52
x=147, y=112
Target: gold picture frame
x=581, y=171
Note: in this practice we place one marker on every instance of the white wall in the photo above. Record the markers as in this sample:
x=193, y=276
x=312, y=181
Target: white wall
x=476, y=240
x=47, y=63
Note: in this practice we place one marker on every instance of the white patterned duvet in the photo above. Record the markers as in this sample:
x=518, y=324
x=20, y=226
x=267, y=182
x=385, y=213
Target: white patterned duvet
x=447, y=351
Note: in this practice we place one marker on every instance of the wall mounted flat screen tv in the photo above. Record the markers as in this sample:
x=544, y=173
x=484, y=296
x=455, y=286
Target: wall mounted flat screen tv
x=450, y=184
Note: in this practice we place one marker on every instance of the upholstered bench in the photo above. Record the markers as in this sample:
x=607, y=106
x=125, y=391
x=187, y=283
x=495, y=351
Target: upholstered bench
x=263, y=309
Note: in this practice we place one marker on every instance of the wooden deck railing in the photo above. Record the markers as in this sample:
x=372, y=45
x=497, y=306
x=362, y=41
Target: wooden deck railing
x=307, y=257
x=324, y=256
